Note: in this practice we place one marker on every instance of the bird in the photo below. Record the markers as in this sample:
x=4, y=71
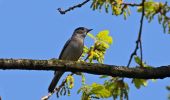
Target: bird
x=71, y=51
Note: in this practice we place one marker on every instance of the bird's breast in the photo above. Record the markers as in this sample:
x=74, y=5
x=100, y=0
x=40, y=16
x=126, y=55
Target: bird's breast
x=74, y=50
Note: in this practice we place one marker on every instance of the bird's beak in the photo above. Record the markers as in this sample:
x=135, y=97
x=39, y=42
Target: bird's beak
x=88, y=30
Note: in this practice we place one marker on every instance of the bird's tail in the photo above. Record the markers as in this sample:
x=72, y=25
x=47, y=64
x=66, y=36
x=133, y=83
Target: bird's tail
x=55, y=80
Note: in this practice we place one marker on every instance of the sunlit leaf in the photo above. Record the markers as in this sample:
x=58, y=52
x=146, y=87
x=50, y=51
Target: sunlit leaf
x=100, y=91
x=104, y=36
x=140, y=82
x=70, y=81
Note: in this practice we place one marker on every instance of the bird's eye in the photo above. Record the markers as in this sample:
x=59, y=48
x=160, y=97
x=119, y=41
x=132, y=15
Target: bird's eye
x=80, y=31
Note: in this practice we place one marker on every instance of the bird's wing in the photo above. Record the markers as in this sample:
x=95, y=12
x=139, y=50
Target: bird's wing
x=58, y=74
x=65, y=46
x=55, y=80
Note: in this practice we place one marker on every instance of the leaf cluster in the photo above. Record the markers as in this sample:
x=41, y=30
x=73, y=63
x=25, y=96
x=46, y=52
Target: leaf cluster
x=102, y=42
x=152, y=8
x=112, y=88
x=116, y=6
x=94, y=91
x=157, y=8
x=140, y=82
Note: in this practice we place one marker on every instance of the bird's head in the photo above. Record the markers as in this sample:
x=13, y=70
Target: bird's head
x=81, y=32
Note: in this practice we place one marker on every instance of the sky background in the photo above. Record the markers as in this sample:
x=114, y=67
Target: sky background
x=34, y=29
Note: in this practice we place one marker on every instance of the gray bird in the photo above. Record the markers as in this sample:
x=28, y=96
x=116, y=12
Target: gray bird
x=72, y=51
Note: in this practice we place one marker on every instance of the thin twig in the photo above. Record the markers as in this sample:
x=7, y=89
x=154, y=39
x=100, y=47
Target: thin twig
x=141, y=53
x=73, y=7
x=56, y=90
x=87, y=58
x=129, y=4
x=140, y=31
x=132, y=4
x=139, y=42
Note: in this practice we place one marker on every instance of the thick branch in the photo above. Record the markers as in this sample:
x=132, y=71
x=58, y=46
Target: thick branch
x=98, y=69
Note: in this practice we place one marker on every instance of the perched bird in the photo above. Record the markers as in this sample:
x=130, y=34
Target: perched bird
x=72, y=51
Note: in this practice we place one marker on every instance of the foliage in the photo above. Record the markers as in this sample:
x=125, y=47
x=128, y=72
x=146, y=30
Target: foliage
x=116, y=6
x=70, y=81
x=117, y=87
x=102, y=42
x=113, y=88
x=94, y=90
x=140, y=82
x=152, y=8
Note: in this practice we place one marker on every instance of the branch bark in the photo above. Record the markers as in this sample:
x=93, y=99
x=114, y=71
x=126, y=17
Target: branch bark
x=95, y=68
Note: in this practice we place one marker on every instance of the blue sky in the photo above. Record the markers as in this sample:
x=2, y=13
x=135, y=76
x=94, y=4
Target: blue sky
x=33, y=29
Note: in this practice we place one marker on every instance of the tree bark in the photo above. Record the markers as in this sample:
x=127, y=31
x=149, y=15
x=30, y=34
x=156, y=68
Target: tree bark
x=91, y=68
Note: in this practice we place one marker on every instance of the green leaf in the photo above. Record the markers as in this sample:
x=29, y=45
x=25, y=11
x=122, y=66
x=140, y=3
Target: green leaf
x=104, y=76
x=85, y=49
x=139, y=82
x=70, y=81
x=117, y=87
x=84, y=89
x=104, y=36
x=138, y=60
x=102, y=43
x=95, y=89
x=100, y=91
x=79, y=90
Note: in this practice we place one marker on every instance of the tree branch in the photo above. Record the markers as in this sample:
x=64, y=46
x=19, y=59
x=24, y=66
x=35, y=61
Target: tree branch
x=139, y=40
x=95, y=68
x=131, y=4
x=73, y=7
